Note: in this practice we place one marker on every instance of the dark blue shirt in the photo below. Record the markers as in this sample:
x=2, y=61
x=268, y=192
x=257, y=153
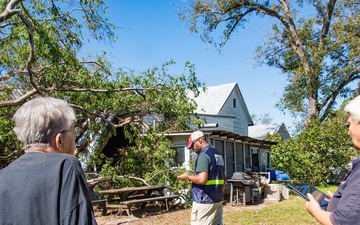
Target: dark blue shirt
x=45, y=188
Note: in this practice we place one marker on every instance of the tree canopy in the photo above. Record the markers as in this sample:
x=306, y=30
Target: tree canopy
x=320, y=153
x=262, y=119
x=315, y=43
x=39, y=47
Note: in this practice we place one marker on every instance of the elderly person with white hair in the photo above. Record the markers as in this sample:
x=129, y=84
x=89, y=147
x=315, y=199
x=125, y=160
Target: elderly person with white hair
x=46, y=185
x=344, y=205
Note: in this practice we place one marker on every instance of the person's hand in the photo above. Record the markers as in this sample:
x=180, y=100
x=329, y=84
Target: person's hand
x=312, y=206
x=183, y=176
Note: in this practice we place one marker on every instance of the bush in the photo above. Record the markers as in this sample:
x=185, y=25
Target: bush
x=313, y=154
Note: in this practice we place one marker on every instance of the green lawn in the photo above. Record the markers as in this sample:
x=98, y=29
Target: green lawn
x=290, y=211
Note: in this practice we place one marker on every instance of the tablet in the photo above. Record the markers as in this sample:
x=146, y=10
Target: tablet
x=302, y=189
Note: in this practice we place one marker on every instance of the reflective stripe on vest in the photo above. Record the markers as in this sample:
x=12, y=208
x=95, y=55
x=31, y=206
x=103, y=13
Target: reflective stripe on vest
x=214, y=182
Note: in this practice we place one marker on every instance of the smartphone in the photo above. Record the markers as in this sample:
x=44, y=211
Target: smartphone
x=302, y=189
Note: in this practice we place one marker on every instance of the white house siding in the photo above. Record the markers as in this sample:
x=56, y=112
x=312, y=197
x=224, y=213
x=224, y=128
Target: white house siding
x=223, y=122
x=239, y=123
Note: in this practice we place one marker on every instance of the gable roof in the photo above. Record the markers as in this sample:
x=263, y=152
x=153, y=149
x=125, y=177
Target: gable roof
x=260, y=131
x=212, y=99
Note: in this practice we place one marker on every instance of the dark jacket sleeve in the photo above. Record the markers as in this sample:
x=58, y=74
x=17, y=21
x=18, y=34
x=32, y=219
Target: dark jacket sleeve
x=82, y=214
x=75, y=199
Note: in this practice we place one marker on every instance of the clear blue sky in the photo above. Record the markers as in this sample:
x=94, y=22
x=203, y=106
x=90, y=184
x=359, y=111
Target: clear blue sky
x=151, y=33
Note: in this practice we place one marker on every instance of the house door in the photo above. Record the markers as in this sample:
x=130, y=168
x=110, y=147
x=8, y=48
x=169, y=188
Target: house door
x=255, y=159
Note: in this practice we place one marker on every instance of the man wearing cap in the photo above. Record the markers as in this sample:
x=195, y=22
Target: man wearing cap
x=207, y=181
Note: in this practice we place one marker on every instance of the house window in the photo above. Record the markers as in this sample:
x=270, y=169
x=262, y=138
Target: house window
x=234, y=102
x=179, y=156
x=247, y=158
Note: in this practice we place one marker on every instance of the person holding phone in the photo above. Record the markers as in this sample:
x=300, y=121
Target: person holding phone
x=344, y=204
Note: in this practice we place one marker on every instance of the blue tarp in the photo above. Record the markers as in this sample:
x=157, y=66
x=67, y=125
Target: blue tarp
x=278, y=175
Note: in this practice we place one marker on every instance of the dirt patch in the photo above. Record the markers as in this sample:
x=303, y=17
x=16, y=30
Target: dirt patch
x=151, y=214
x=155, y=214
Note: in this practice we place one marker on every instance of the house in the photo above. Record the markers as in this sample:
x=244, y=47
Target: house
x=225, y=122
x=224, y=106
x=260, y=131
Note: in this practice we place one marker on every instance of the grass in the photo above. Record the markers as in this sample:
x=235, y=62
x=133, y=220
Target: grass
x=292, y=211
x=286, y=212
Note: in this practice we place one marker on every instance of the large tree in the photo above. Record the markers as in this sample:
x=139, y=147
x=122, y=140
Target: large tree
x=315, y=43
x=39, y=56
x=39, y=42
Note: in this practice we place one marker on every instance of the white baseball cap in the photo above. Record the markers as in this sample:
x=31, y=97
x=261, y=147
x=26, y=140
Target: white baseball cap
x=194, y=135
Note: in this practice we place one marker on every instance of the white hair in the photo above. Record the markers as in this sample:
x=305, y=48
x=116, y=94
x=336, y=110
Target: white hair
x=353, y=108
x=38, y=119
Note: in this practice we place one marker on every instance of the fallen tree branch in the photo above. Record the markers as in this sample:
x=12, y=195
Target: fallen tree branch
x=21, y=99
x=102, y=179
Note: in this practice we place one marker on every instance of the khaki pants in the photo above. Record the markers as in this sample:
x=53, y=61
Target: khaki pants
x=206, y=214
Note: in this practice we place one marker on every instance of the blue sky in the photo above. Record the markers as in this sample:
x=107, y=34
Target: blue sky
x=151, y=33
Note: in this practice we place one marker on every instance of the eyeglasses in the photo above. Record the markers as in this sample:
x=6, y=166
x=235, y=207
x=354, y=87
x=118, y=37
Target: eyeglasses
x=193, y=143
x=76, y=131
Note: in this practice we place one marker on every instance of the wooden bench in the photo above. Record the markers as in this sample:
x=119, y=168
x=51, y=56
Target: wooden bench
x=126, y=205
x=102, y=204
